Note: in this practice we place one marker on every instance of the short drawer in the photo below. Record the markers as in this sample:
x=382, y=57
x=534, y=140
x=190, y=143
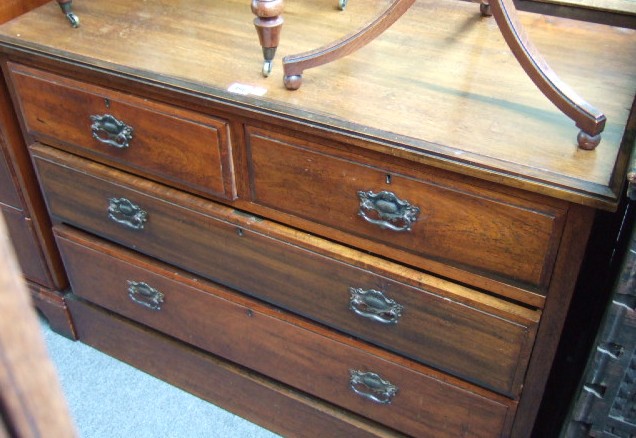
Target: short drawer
x=461, y=331
x=367, y=381
x=155, y=140
x=420, y=217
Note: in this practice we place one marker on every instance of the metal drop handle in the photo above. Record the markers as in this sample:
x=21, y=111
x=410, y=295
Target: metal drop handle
x=126, y=213
x=373, y=304
x=372, y=387
x=387, y=211
x=108, y=130
x=145, y=295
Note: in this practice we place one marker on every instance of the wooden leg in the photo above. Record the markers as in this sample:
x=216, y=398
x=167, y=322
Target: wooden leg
x=295, y=65
x=67, y=8
x=588, y=119
x=268, y=23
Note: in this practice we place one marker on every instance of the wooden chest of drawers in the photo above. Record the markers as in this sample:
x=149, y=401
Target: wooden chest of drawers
x=336, y=260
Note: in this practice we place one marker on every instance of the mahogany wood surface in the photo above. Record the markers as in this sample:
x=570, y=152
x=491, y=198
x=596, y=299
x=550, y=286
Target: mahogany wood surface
x=249, y=394
x=457, y=224
x=163, y=141
x=441, y=112
x=27, y=217
x=465, y=118
x=10, y=9
x=31, y=400
x=27, y=248
x=279, y=345
x=270, y=263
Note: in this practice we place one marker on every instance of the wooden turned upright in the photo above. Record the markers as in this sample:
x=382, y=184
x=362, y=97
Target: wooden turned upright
x=268, y=23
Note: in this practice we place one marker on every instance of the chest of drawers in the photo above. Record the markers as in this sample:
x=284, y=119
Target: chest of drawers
x=345, y=258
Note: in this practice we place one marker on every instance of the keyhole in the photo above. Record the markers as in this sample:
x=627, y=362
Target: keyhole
x=388, y=178
x=107, y=103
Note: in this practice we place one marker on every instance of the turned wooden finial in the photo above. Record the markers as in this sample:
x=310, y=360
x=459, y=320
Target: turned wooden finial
x=268, y=23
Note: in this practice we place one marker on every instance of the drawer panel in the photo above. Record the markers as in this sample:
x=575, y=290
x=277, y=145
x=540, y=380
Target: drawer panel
x=8, y=189
x=413, y=399
x=420, y=214
x=155, y=140
x=27, y=247
x=456, y=329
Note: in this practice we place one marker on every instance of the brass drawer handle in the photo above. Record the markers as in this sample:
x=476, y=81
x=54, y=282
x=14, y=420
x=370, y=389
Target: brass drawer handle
x=124, y=212
x=374, y=305
x=387, y=211
x=145, y=295
x=373, y=387
x=108, y=130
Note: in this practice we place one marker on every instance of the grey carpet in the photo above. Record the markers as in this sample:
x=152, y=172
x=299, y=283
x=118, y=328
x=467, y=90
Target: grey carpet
x=110, y=399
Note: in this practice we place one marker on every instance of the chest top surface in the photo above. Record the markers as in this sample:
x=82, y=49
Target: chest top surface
x=440, y=86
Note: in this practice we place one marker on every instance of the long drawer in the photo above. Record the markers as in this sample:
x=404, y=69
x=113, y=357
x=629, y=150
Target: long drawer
x=382, y=387
x=166, y=143
x=455, y=329
x=435, y=219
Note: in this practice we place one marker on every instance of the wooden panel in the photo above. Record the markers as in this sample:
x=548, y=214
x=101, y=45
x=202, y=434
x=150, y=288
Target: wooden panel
x=12, y=8
x=281, y=346
x=31, y=401
x=254, y=397
x=8, y=190
x=481, y=231
x=27, y=248
x=185, y=148
x=441, y=93
x=299, y=272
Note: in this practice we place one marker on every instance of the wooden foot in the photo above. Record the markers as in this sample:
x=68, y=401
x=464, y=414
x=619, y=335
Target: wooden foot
x=587, y=141
x=52, y=305
x=295, y=65
x=268, y=23
x=67, y=9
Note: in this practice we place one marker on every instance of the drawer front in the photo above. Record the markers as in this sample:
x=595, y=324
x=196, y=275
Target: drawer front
x=460, y=331
x=334, y=368
x=155, y=140
x=441, y=220
x=27, y=247
x=8, y=190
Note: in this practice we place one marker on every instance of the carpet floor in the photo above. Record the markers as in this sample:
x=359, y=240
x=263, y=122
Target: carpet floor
x=110, y=399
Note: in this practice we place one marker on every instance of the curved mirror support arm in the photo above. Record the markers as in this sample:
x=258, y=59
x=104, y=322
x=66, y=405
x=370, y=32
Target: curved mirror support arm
x=588, y=119
x=295, y=65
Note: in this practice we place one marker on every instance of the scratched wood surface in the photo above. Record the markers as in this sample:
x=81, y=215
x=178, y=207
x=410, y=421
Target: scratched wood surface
x=441, y=82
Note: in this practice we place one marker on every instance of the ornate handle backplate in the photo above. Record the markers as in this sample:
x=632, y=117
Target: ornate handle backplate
x=124, y=212
x=387, y=211
x=374, y=305
x=108, y=130
x=371, y=386
x=145, y=295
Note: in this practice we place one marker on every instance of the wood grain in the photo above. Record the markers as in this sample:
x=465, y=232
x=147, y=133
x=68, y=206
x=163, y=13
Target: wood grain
x=281, y=346
x=454, y=74
x=272, y=264
x=31, y=400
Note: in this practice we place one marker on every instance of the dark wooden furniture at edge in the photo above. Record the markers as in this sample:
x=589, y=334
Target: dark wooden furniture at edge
x=23, y=208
